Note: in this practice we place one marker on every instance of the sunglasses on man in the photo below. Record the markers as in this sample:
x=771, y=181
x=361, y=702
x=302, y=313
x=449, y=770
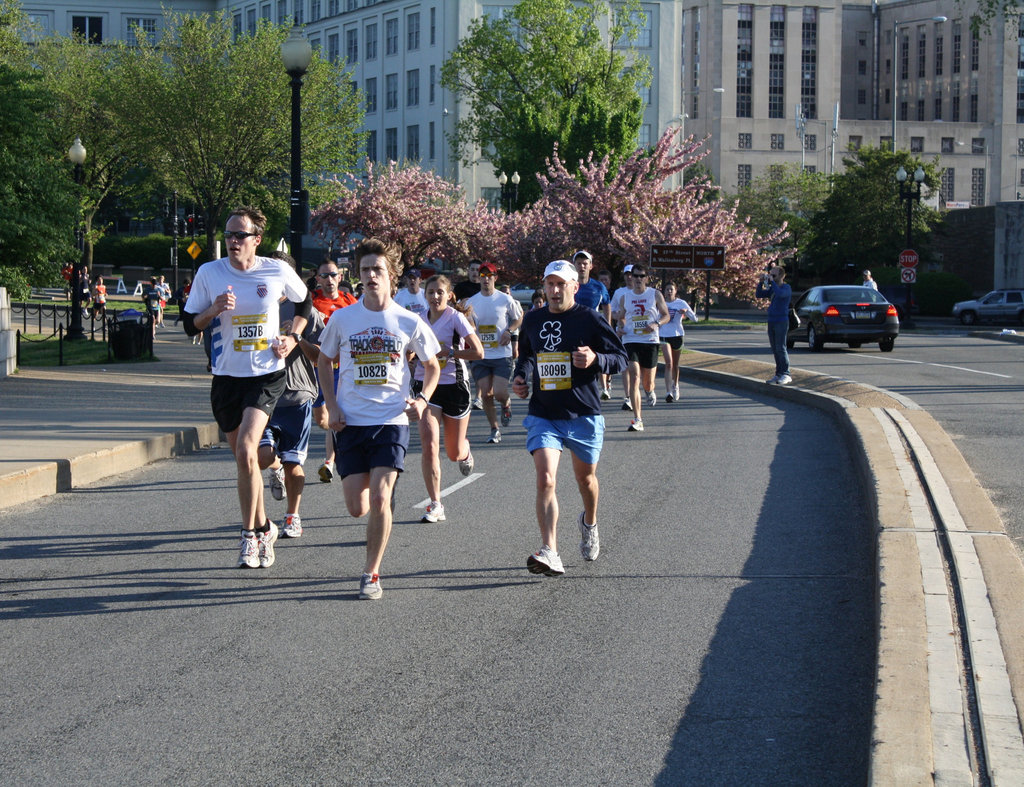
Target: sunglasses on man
x=238, y=234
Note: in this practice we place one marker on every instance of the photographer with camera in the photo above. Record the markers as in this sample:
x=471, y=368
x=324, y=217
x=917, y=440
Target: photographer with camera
x=772, y=285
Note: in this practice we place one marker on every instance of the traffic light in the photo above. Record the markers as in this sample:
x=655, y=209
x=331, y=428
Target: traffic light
x=190, y=225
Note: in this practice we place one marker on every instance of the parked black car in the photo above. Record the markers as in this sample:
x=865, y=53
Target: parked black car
x=847, y=314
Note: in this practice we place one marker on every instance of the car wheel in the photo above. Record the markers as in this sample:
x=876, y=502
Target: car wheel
x=968, y=318
x=814, y=341
x=886, y=344
x=853, y=345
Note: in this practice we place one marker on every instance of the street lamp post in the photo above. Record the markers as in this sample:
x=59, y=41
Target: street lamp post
x=895, y=56
x=503, y=182
x=515, y=191
x=909, y=194
x=77, y=155
x=296, y=54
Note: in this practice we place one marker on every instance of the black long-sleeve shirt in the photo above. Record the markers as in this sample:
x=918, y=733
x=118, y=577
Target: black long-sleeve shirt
x=546, y=342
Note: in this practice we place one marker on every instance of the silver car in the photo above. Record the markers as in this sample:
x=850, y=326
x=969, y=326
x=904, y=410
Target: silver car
x=997, y=306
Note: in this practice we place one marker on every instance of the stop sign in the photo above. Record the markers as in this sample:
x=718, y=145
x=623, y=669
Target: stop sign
x=908, y=258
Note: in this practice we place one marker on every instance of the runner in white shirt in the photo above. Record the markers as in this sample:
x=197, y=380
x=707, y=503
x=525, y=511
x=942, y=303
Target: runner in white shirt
x=412, y=297
x=672, y=334
x=642, y=312
x=496, y=316
x=616, y=304
x=236, y=299
x=370, y=411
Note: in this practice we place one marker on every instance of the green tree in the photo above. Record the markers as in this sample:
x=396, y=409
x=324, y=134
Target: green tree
x=37, y=195
x=785, y=196
x=94, y=97
x=213, y=115
x=549, y=71
x=862, y=222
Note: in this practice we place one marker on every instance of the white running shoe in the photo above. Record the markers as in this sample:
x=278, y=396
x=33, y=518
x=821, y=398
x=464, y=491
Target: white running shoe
x=636, y=425
x=669, y=397
x=277, y=483
x=266, y=546
x=652, y=398
x=478, y=404
x=784, y=379
x=495, y=436
x=292, y=526
x=369, y=587
x=326, y=472
x=435, y=512
x=248, y=553
x=545, y=561
x=590, y=542
x=466, y=465
x=606, y=394
x=675, y=393
x=626, y=404
x=772, y=380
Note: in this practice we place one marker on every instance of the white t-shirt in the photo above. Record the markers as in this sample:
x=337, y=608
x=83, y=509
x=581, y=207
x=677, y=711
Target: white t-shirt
x=676, y=310
x=241, y=338
x=640, y=310
x=414, y=302
x=373, y=376
x=492, y=315
x=450, y=329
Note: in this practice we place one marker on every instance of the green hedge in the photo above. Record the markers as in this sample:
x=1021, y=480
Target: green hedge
x=152, y=251
x=934, y=293
x=16, y=282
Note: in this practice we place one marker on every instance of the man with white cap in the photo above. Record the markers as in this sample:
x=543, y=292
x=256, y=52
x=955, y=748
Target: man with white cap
x=567, y=347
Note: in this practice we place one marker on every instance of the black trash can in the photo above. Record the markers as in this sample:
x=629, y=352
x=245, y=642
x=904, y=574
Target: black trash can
x=127, y=333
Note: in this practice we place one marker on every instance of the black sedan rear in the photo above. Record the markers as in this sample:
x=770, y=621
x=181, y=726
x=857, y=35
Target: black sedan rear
x=845, y=314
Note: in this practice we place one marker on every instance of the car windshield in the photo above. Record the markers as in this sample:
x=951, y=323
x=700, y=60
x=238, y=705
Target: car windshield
x=851, y=295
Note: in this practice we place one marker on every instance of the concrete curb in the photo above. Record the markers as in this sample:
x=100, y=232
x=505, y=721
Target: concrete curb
x=906, y=732
x=62, y=475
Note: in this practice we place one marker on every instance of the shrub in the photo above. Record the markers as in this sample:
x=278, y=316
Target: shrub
x=16, y=282
x=934, y=293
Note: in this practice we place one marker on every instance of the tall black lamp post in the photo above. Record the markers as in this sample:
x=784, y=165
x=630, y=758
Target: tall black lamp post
x=509, y=190
x=296, y=54
x=77, y=155
x=909, y=194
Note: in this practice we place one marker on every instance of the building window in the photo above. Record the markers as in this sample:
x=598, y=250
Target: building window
x=977, y=187
x=412, y=143
x=644, y=92
x=299, y=12
x=920, y=110
x=903, y=110
x=938, y=54
x=390, y=36
x=978, y=146
x=433, y=26
x=644, y=140
x=777, y=62
x=778, y=141
x=862, y=67
x=333, y=48
x=938, y=107
x=947, y=145
x=412, y=31
x=370, y=42
x=1020, y=69
x=862, y=38
x=885, y=142
x=140, y=27
x=314, y=10
x=391, y=144
x=955, y=111
x=391, y=92
x=433, y=82
x=809, y=64
x=854, y=142
x=236, y=27
x=905, y=56
x=332, y=7
x=743, y=176
x=922, y=51
x=412, y=87
x=810, y=141
x=371, y=94
x=917, y=144
x=956, y=48
x=431, y=141
x=371, y=146
x=89, y=27
x=862, y=96
x=810, y=169
x=973, y=117
x=351, y=46
x=745, y=141
x=282, y=12
x=1020, y=146
x=744, y=61
x=946, y=186
x=975, y=50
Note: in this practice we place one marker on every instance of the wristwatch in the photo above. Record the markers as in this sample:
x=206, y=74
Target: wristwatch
x=296, y=337
x=421, y=396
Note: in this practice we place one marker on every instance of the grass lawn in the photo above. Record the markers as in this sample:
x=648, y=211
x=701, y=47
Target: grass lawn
x=45, y=350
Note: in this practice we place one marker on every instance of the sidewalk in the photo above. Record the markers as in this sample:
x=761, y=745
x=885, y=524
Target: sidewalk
x=62, y=427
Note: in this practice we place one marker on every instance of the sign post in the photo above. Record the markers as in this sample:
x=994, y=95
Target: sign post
x=685, y=257
x=908, y=261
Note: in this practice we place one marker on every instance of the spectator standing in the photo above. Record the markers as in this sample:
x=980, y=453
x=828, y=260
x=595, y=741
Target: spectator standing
x=868, y=281
x=565, y=347
x=370, y=412
x=773, y=285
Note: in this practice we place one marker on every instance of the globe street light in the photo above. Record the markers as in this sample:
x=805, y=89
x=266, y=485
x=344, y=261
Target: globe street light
x=77, y=155
x=296, y=54
x=910, y=194
x=515, y=191
x=895, y=55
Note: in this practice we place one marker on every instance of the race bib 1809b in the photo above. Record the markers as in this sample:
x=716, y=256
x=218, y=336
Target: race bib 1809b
x=555, y=371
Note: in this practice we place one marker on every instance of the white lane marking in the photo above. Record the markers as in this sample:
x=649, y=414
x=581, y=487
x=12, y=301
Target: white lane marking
x=447, y=491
